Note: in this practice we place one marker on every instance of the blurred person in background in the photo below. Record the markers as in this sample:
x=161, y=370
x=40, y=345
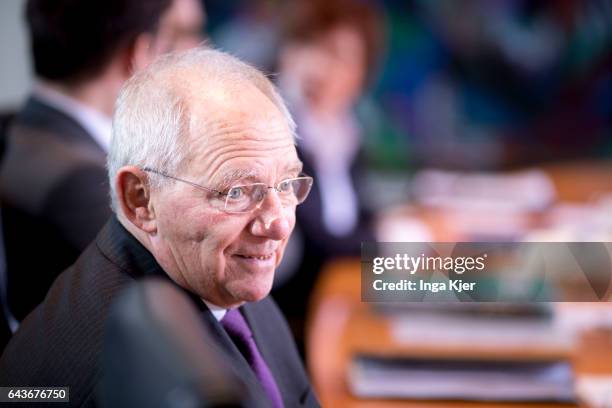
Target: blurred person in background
x=329, y=51
x=53, y=184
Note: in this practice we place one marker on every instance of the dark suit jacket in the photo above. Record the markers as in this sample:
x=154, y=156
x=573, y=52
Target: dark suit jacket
x=54, y=198
x=60, y=342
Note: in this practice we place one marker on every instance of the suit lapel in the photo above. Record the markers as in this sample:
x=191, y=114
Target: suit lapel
x=269, y=351
x=225, y=346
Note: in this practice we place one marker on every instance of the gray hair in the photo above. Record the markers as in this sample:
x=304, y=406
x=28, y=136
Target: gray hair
x=152, y=110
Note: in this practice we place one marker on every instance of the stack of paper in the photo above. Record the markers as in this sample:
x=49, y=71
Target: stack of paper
x=473, y=380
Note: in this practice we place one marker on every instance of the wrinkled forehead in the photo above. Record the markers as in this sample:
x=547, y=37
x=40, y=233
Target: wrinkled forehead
x=243, y=153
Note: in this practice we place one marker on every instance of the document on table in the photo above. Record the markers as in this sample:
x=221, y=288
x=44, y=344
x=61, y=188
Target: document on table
x=478, y=325
x=471, y=380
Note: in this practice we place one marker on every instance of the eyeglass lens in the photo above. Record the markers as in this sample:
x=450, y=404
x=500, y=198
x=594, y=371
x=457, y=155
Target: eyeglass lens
x=290, y=192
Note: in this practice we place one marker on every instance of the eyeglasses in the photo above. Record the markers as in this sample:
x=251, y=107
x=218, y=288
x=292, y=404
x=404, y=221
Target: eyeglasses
x=247, y=197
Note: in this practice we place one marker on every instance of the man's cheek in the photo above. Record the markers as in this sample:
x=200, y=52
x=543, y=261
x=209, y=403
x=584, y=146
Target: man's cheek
x=290, y=217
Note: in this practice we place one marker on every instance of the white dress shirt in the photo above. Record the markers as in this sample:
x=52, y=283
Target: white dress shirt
x=217, y=311
x=96, y=123
x=333, y=143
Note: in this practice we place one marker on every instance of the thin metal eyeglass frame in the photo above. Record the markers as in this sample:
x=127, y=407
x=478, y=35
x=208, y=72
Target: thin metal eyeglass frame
x=191, y=183
x=220, y=193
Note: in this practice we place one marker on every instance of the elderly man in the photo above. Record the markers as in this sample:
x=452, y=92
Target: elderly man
x=204, y=181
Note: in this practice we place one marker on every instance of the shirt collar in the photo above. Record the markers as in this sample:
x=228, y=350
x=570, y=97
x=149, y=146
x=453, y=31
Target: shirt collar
x=217, y=311
x=96, y=123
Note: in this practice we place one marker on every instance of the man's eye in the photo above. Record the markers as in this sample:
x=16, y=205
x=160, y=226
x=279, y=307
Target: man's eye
x=235, y=193
x=285, y=186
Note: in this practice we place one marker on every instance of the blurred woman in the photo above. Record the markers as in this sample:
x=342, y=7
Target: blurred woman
x=328, y=52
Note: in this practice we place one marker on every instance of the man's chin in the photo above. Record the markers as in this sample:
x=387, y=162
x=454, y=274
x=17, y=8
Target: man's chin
x=254, y=292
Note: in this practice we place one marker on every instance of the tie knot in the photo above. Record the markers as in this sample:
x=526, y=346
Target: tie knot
x=235, y=324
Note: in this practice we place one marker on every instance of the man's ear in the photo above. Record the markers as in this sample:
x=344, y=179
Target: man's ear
x=140, y=53
x=134, y=198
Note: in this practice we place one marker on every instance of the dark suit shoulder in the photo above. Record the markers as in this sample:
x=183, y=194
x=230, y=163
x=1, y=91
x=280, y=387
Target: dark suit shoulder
x=269, y=315
x=59, y=343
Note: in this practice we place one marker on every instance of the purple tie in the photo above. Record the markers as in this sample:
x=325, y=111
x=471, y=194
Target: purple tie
x=236, y=326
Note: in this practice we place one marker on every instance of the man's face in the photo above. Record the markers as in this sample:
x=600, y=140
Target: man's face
x=227, y=259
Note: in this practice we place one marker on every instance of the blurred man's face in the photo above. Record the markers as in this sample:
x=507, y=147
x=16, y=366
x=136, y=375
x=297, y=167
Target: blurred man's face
x=181, y=27
x=227, y=258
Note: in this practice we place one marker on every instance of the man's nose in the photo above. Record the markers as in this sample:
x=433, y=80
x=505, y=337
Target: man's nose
x=271, y=221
